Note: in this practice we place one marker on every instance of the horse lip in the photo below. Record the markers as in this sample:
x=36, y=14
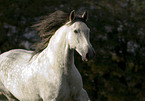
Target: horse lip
x=84, y=59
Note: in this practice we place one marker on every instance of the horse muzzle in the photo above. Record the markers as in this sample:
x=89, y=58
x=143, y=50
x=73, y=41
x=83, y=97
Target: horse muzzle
x=89, y=55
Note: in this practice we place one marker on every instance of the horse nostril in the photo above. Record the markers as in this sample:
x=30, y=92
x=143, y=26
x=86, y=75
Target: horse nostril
x=94, y=54
x=87, y=56
x=90, y=55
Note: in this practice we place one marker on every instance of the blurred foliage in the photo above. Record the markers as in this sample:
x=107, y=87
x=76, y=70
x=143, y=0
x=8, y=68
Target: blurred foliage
x=117, y=33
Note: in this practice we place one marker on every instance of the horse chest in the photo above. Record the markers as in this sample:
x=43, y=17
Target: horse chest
x=63, y=90
x=71, y=84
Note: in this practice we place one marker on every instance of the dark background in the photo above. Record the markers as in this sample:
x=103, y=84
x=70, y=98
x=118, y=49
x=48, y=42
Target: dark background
x=117, y=73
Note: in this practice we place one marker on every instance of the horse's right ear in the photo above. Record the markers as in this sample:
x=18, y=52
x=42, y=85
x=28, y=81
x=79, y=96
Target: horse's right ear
x=72, y=15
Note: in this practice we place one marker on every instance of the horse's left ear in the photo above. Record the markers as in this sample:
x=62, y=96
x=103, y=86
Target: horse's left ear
x=72, y=15
x=85, y=16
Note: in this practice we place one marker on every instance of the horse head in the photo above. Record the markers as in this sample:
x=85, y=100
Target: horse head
x=78, y=36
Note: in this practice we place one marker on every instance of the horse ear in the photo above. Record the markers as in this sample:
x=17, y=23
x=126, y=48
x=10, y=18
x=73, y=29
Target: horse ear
x=72, y=15
x=85, y=16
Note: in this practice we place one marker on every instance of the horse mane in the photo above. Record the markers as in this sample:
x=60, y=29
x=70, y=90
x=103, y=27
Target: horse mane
x=47, y=27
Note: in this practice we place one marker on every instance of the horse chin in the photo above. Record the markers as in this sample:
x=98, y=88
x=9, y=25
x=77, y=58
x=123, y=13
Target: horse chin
x=84, y=59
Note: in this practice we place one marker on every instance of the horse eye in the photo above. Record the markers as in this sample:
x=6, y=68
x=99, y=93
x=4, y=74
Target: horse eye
x=75, y=31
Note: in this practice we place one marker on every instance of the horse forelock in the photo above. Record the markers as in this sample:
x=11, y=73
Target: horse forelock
x=78, y=19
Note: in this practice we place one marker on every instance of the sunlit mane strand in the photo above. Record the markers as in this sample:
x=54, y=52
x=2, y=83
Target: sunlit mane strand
x=47, y=27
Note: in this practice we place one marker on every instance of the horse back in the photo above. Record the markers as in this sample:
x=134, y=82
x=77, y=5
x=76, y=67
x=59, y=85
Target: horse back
x=14, y=58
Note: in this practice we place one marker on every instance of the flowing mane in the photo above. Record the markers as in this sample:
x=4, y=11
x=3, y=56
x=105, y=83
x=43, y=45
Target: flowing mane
x=47, y=27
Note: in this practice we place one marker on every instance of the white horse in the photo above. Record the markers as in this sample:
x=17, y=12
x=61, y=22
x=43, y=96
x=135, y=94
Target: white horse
x=50, y=74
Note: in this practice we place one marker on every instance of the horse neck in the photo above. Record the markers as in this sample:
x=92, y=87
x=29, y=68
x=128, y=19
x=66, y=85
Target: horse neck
x=58, y=51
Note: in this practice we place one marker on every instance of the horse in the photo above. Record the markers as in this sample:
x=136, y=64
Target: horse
x=49, y=72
